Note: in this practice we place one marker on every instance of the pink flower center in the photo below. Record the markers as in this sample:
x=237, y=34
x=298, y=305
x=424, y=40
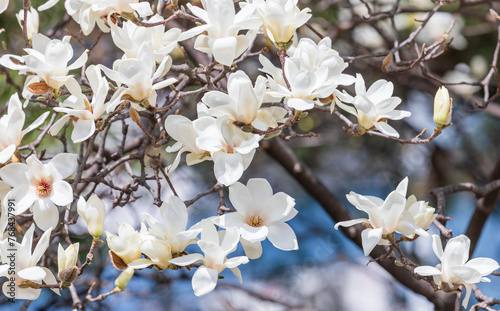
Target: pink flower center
x=255, y=221
x=43, y=188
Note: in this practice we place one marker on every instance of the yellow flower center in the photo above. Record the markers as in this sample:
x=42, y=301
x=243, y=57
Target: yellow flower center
x=43, y=188
x=255, y=221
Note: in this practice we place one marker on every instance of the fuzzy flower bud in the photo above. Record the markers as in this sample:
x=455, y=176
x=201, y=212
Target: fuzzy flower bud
x=123, y=279
x=442, y=108
x=66, y=261
x=92, y=212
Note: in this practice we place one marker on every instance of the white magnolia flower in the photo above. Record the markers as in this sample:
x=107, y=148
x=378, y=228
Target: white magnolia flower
x=260, y=214
x=373, y=107
x=124, y=247
x=131, y=37
x=214, y=260
x=454, y=269
x=93, y=212
x=223, y=25
x=48, y=59
x=26, y=265
x=313, y=71
x=281, y=18
x=40, y=186
x=385, y=217
x=77, y=108
x=138, y=74
x=11, y=125
x=172, y=227
x=206, y=138
x=242, y=103
x=88, y=13
x=306, y=87
x=33, y=21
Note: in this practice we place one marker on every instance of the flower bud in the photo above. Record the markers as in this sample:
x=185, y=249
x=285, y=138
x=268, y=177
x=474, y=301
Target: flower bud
x=123, y=279
x=442, y=107
x=67, y=258
x=33, y=21
x=66, y=261
x=93, y=213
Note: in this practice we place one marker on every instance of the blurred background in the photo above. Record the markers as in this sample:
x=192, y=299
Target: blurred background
x=328, y=272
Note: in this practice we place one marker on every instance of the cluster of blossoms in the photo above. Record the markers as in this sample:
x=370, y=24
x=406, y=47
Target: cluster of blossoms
x=227, y=130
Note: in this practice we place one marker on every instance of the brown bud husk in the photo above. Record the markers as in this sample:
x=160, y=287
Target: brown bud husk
x=39, y=88
x=68, y=275
x=117, y=262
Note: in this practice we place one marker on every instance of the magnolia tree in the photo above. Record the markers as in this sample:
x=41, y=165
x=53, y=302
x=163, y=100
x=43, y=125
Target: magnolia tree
x=113, y=98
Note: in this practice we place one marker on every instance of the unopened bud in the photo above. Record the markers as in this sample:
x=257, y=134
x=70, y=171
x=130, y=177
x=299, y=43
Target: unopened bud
x=442, y=107
x=123, y=279
x=67, y=258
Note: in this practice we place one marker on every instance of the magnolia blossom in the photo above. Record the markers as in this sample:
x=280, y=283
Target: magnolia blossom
x=48, y=59
x=138, y=74
x=11, y=125
x=230, y=148
x=281, y=18
x=131, y=37
x=373, y=107
x=167, y=237
x=93, y=212
x=88, y=13
x=313, y=72
x=306, y=87
x=26, y=265
x=454, y=269
x=387, y=216
x=172, y=227
x=260, y=215
x=214, y=260
x=40, y=186
x=222, y=26
x=242, y=103
x=83, y=114
x=33, y=21
x=124, y=247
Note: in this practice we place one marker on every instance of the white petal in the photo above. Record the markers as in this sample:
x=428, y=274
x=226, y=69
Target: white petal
x=7, y=153
x=62, y=193
x=427, y=271
x=224, y=50
x=282, y=236
x=484, y=265
x=204, y=280
x=63, y=165
x=83, y=130
x=241, y=198
x=45, y=214
x=35, y=274
x=386, y=129
x=14, y=174
x=349, y=223
x=370, y=239
x=252, y=250
x=41, y=247
x=228, y=168
x=236, y=261
x=187, y=259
